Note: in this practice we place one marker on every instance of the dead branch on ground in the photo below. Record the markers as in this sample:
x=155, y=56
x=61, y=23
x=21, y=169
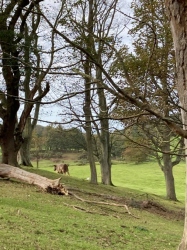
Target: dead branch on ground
x=104, y=203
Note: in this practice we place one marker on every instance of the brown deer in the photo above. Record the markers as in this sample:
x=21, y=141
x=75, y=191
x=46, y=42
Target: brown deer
x=62, y=168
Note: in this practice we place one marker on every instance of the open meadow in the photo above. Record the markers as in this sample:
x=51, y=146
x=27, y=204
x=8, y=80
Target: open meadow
x=146, y=177
x=86, y=219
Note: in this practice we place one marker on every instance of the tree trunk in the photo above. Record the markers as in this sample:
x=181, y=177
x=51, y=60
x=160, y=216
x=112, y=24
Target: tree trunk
x=170, y=184
x=183, y=243
x=26, y=145
x=104, y=137
x=51, y=186
x=93, y=170
x=87, y=107
x=105, y=157
x=177, y=13
x=88, y=129
x=168, y=166
x=9, y=150
x=105, y=172
x=31, y=40
x=25, y=152
x=9, y=157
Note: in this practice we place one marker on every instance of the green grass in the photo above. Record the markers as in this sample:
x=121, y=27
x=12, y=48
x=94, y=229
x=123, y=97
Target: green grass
x=146, y=177
x=32, y=219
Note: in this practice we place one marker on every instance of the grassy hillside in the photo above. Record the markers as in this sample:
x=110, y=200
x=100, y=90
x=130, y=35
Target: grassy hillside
x=32, y=219
x=146, y=177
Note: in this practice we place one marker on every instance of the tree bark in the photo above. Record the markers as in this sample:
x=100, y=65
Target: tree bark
x=170, y=184
x=9, y=148
x=51, y=186
x=183, y=244
x=106, y=171
x=89, y=141
x=93, y=170
x=177, y=13
x=25, y=152
x=26, y=145
x=87, y=107
x=168, y=165
x=105, y=154
x=104, y=135
x=31, y=40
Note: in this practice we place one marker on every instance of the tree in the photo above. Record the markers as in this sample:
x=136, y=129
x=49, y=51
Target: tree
x=87, y=66
x=177, y=13
x=31, y=54
x=75, y=139
x=61, y=139
x=137, y=145
x=97, y=48
x=151, y=68
x=55, y=138
x=89, y=13
x=117, y=142
x=94, y=28
x=14, y=17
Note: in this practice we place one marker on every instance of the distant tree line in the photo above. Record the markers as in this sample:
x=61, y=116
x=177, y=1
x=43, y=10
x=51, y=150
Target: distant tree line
x=58, y=140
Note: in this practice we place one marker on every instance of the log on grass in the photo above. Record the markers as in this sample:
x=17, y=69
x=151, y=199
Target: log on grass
x=51, y=186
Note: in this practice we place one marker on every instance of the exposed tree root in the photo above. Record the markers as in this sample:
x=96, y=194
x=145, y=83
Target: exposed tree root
x=104, y=203
x=83, y=209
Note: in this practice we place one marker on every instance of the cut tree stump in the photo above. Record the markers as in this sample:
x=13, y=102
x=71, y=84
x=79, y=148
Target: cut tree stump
x=48, y=185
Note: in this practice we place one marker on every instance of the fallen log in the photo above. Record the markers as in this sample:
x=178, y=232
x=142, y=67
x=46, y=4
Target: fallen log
x=48, y=185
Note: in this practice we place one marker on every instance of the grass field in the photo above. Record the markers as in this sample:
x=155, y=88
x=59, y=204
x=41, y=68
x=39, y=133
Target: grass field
x=35, y=220
x=146, y=177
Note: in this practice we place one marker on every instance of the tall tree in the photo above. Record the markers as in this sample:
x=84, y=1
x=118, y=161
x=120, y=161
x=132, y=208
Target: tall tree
x=177, y=12
x=95, y=27
x=13, y=18
x=14, y=15
x=151, y=68
x=21, y=75
x=31, y=54
x=97, y=48
x=87, y=66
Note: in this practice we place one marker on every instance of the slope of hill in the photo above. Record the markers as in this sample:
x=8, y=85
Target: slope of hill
x=90, y=217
